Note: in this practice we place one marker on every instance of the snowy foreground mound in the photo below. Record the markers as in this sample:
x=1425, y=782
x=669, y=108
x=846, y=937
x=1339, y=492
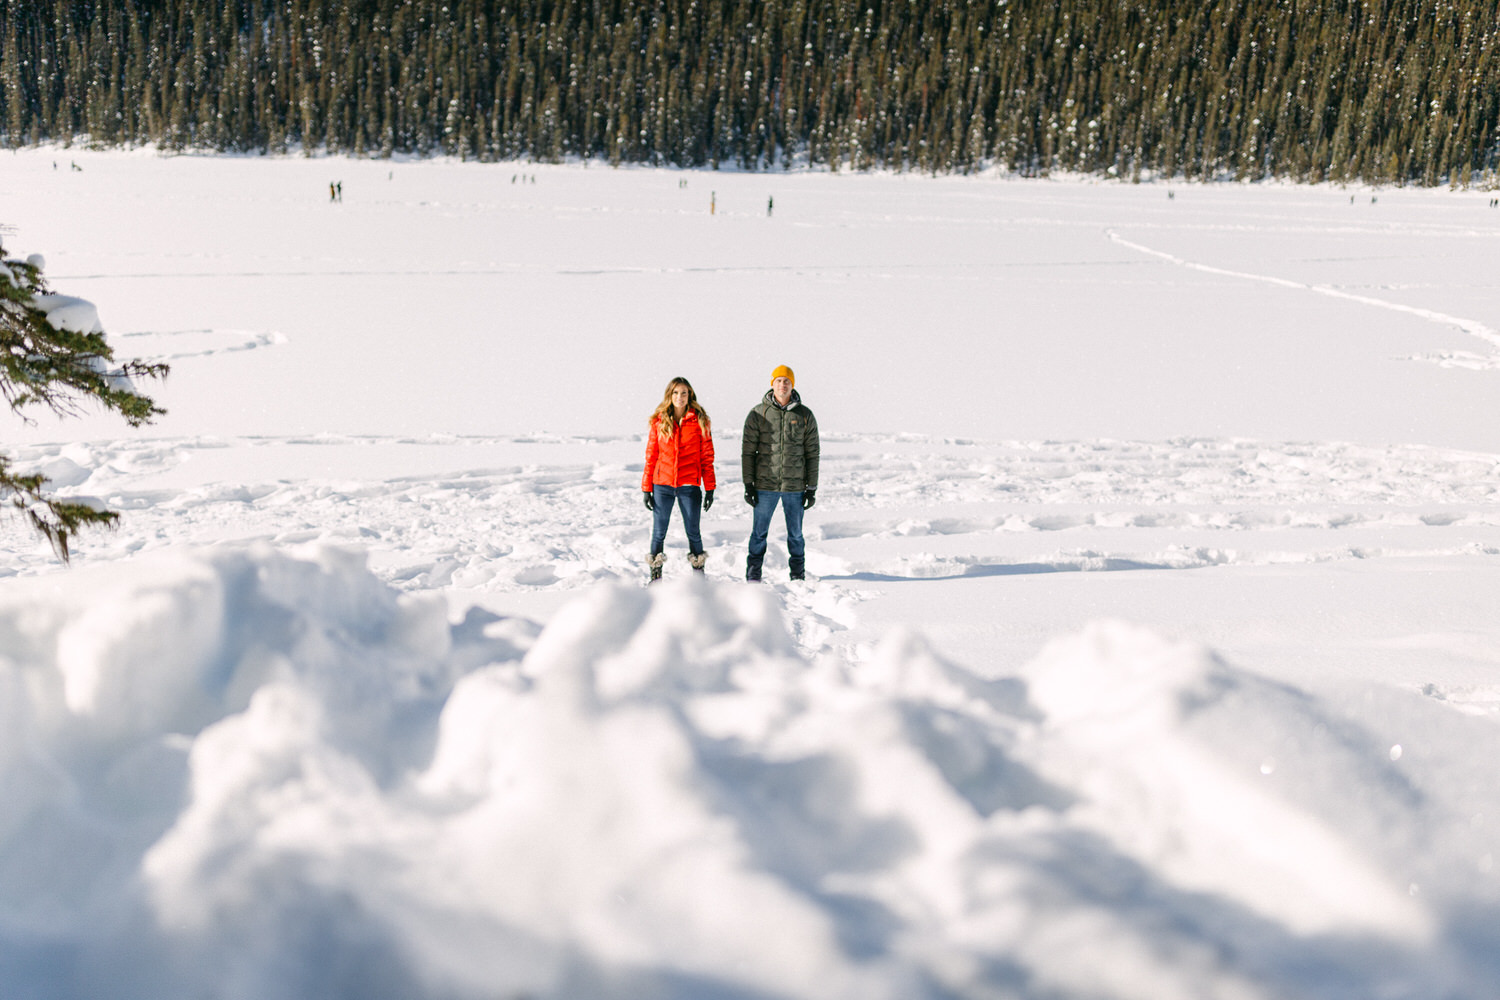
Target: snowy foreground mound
x=250, y=773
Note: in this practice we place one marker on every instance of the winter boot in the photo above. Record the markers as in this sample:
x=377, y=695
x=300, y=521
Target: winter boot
x=696, y=560
x=796, y=563
x=752, y=567
x=656, y=562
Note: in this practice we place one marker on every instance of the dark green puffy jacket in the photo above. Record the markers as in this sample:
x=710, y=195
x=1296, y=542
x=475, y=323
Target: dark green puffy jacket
x=780, y=448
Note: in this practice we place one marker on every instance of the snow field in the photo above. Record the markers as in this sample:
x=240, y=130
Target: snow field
x=1242, y=498
x=1149, y=650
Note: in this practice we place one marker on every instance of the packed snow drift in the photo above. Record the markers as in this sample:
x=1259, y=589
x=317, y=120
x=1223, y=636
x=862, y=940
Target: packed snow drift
x=1148, y=651
x=254, y=772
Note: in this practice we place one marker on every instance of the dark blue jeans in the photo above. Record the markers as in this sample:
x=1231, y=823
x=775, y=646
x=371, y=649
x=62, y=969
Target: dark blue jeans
x=765, y=508
x=690, y=499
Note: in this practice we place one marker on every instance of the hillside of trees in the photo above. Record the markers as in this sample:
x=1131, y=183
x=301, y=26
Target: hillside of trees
x=1383, y=91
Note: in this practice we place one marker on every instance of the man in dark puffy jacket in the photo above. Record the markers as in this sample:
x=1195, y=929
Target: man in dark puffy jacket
x=779, y=462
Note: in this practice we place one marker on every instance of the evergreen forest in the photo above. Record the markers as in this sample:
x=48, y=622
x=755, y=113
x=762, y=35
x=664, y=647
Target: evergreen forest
x=1380, y=91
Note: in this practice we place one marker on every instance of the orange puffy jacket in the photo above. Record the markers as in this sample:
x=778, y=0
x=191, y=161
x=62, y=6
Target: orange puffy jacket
x=684, y=459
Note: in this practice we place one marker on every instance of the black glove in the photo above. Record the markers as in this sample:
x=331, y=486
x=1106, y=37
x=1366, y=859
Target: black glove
x=708, y=499
x=650, y=501
x=809, y=497
x=752, y=495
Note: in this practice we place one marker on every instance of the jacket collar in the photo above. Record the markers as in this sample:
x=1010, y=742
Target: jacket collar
x=791, y=404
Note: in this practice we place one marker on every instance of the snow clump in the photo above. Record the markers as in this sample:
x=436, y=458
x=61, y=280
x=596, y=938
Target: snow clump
x=251, y=772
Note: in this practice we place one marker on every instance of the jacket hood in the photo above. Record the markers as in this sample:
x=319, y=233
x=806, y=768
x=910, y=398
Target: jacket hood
x=792, y=403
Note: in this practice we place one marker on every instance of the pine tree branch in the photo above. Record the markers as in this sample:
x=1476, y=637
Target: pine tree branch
x=55, y=520
x=59, y=359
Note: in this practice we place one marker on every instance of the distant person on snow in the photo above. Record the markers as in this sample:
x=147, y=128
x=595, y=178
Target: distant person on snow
x=779, y=462
x=679, y=469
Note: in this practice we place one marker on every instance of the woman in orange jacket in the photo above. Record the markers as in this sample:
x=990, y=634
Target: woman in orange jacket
x=679, y=469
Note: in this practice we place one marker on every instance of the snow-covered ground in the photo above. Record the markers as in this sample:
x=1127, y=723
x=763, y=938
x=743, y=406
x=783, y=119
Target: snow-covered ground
x=1150, y=648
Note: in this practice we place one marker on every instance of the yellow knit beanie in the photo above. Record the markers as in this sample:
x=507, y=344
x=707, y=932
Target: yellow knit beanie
x=782, y=371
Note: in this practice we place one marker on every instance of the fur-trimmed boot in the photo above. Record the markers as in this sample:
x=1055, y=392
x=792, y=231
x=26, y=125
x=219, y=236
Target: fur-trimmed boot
x=696, y=560
x=656, y=562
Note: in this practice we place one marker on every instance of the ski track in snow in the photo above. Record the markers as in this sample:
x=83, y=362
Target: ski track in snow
x=893, y=508
x=1444, y=359
x=175, y=345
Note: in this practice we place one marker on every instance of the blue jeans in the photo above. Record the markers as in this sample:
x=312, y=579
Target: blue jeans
x=690, y=499
x=765, y=507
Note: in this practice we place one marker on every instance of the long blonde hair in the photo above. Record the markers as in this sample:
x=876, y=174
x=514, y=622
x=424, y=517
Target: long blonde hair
x=665, y=414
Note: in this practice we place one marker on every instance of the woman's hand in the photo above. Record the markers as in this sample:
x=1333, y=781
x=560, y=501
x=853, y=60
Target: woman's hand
x=650, y=501
x=708, y=499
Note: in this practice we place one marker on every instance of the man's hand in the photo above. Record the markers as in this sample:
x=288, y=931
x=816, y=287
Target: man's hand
x=752, y=495
x=809, y=497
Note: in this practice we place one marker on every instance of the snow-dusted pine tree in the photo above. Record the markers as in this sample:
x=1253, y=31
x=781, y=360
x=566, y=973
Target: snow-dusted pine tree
x=53, y=354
